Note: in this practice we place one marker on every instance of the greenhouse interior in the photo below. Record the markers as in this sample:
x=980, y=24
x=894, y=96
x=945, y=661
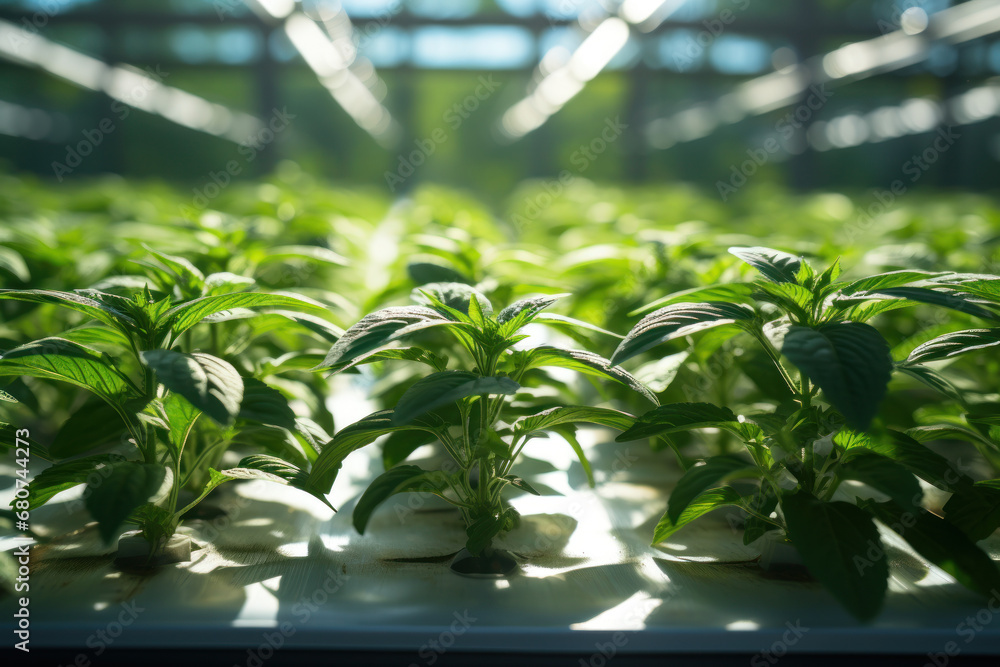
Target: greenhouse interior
x=490, y=332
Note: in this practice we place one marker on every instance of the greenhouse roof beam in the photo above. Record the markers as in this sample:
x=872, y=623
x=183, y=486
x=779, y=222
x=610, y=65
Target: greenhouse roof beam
x=323, y=52
x=139, y=88
x=851, y=62
x=558, y=86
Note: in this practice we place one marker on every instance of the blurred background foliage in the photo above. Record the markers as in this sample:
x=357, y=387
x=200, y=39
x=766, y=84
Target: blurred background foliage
x=421, y=58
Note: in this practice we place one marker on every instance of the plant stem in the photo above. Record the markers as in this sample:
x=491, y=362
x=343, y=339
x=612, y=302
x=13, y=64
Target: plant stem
x=773, y=354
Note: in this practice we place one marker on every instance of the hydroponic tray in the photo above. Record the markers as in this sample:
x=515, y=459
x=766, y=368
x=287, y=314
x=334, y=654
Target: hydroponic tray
x=280, y=570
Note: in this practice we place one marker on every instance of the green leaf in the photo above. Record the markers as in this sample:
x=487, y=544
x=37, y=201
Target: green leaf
x=849, y=361
x=790, y=297
x=482, y=531
x=58, y=359
x=74, y=301
x=209, y=383
x=703, y=504
x=446, y=387
x=887, y=281
x=953, y=300
x=265, y=405
x=949, y=432
x=677, y=417
x=401, y=479
x=520, y=313
x=568, y=433
x=763, y=502
x=11, y=260
x=932, y=379
x=520, y=483
x=953, y=344
x=884, y=475
x=915, y=457
x=184, y=316
x=453, y=295
x=589, y=364
x=7, y=398
x=676, y=321
x=399, y=445
x=775, y=265
x=111, y=500
x=571, y=324
x=553, y=417
x=215, y=479
x=357, y=435
x=726, y=292
x=273, y=469
x=975, y=510
x=701, y=477
x=381, y=328
x=65, y=475
x=96, y=423
x=181, y=417
x=840, y=546
x=942, y=544
x=188, y=278
x=9, y=442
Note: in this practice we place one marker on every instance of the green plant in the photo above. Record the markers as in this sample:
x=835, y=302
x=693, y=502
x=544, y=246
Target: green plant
x=149, y=396
x=464, y=408
x=836, y=372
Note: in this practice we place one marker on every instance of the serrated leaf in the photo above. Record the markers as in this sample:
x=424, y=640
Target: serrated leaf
x=520, y=313
x=571, y=324
x=552, y=417
x=184, y=316
x=78, y=302
x=129, y=484
x=935, y=297
x=65, y=475
x=840, y=546
x=884, y=475
x=942, y=544
x=453, y=295
x=519, y=483
x=446, y=387
x=211, y=384
x=763, y=502
x=932, y=379
x=676, y=321
x=357, y=435
x=775, y=265
x=953, y=344
x=265, y=405
x=66, y=361
x=849, y=361
x=703, y=504
x=915, y=457
x=726, y=292
x=975, y=510
x=399, y=445
x=381, y=328
x=482, y=531
x=587, y=363
x=698, y=478
x=401, y=479
x=677, y=417
x=96, y=423
x=887, y=281
x=273, y=469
